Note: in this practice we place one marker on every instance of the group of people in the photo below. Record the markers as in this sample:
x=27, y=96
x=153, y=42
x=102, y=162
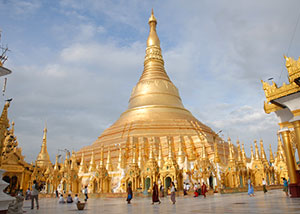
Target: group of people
x=200, y=190
x=69, y=199
x=264, y=184
x=155, y=193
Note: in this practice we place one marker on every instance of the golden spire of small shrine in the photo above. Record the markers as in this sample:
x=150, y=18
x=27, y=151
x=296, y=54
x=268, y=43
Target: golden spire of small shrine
x=82, y=167
x=240, y=159
x=231, y=158
x=252, y=155
x=108, y=161
x=217, y=158
x=271, y=155
x=181, y=155
x=56, y=168
x=92, y=166
x=257, y=156
x=244, y=158
x=263, y=153
x=120, y=161
x=73, y=161
x=101, y=164
x=160, y=157
x=170, y=156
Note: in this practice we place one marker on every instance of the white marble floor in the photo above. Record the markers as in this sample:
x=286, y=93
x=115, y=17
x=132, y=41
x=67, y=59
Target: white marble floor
x=274, y=201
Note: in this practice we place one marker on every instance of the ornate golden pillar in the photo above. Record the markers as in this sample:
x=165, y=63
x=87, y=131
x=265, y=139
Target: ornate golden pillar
x=290, y=161
x=296, y=125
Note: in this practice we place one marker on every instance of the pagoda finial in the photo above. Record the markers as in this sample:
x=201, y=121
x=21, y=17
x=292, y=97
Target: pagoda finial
x=257, y=157
x=56, y=163
x=181, y=155
x=263, y=153
x=153, y=39
x=271, y=155
x=12, y=127
x=101, y=164
x=108, y=161
x=252, y=155
x=244, y=158
x=120, y=161
x=43, y=158
x=217, y=158
x=160, y=157
x=82, y=167
x=92, y=166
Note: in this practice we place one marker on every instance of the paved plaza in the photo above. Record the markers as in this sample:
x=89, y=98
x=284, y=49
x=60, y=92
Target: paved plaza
x=274, y=201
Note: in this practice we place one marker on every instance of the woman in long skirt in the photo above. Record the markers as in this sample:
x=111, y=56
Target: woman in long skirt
x=204, y=190
x=129, y=193
x=173, y=190
x=155, y=194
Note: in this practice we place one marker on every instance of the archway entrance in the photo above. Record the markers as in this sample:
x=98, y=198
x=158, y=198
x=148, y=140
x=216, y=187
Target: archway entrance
x=241, y=181
x=95, y=186
x=147, y=183
x=211, y=181
x=168, y=181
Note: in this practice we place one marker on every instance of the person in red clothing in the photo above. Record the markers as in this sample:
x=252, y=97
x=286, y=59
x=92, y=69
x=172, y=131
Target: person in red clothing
x=203, y=190
x=155, y=194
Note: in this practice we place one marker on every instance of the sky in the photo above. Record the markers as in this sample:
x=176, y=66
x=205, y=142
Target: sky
x=75, y=63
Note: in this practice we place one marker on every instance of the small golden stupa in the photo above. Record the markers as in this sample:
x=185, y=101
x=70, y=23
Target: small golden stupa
x=155, y=111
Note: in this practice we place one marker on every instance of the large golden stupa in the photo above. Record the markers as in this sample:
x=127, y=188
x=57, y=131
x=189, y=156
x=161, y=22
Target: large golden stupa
x=155, y=112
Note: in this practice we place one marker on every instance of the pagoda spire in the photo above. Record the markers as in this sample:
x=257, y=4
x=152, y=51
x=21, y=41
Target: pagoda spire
x=252, y=155
x=120, y=161
x=271, y=155
x=82, y=167
x=160, y=157
x=43, y=159
x=231, y=158
x=240, y=159
x=170, y=155
x=108, y=161
x=257, y=157
x=217, y=158
x=280, y=147
x=73, y=159
x=244, y=158
x=92, y=166
x=263, y=153
x=101, y=164
x=56, y=167
x=181, y=155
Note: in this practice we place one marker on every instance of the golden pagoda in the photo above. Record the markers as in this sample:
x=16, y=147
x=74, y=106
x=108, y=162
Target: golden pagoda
x=43, y=159
x=155, y=111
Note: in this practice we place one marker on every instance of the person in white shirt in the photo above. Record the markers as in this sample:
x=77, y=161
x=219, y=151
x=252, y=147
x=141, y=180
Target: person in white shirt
x=35, y=194
x=173, y=190
x=61, y=199
x=264, y=185
x=76, y=199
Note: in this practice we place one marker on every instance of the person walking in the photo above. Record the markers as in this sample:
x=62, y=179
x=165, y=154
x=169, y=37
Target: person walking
x=155, y=193
x=204, y=189
x=85, y=191
x=35, y=195
x=264, y=185
x=173, y=190
x=161, y=190
x=250, y=188
x=129, y=193
x=285, y=187
x=184, y=189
